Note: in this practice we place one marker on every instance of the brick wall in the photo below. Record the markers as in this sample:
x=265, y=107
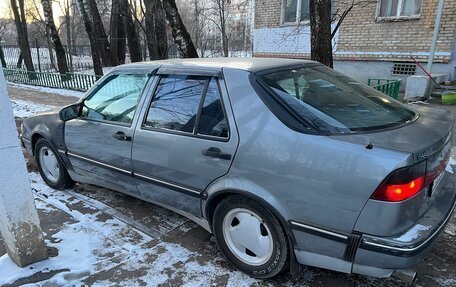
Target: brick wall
x=267, y=13
x=361, y=36
x=360, y=31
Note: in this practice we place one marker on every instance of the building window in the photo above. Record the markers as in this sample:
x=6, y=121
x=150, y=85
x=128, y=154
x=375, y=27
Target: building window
x=399, y=8
x=295, y=11
x=404, y=69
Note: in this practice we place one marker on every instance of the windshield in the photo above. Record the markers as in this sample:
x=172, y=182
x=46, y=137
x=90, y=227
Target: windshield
x=336, y=103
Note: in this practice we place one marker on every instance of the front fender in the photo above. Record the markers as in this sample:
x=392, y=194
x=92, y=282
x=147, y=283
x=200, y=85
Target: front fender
x=49, y=126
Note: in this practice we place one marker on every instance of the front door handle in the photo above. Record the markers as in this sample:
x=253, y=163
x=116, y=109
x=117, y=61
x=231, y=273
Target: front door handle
x=216, y=152
x=121, y=136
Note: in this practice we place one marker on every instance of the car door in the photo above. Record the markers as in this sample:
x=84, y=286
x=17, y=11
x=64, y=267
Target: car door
x=99, y=140
x=185, y=140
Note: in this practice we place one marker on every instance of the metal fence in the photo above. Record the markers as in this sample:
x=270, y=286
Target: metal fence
x=77, y=82
x=389, y=87
x=45, y=60
x=79, y=57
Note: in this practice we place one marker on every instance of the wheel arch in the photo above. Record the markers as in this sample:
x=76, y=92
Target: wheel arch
x=215, y=198
x=34, y=139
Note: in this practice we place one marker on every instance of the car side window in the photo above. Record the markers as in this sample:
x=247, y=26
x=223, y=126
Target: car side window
x=176, y=102
x=212, y=120
x=116, y=99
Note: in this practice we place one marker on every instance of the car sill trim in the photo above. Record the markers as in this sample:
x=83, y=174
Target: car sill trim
x=319, y=231
x=170, y=185
x=100, y=163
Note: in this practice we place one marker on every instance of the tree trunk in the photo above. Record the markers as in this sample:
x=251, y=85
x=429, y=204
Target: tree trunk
x=133, y=41
x=150, y=30
x=117, y=34
x=19, y=61
x=222, y=15
x=50, y=51
x=157, y=41
x=22, y=36
x=68, y=34
x=57, y=44
x=99, y=34
x=160, y=30
x=93, y=47
x=320, y=31
x=179, y=32
x=2, y=55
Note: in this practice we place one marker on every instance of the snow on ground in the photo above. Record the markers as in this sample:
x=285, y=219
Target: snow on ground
x=61, y=92
x=89, y=246
x=23, y=109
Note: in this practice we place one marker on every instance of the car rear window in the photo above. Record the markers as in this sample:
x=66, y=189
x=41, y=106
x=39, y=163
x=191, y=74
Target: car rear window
x=335, y=103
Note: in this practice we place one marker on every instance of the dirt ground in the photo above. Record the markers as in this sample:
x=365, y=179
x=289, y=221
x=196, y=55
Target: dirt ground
x=437, y=269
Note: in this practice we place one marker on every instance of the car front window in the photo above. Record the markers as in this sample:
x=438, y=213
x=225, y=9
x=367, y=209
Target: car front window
x=116, y=99
x=336, y=103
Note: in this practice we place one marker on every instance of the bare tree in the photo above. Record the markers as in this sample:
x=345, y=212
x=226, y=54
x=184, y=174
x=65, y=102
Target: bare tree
x=179, y=31
x=222, y=9
x=320, y=32
x=57, y=44
x=18, y=8
x=217, y=26
x=117, y=35
x=39, y=26
x=66, y=9
x=155, y=29
x=324, y=13
x=3, y=29
x=133, y=40
x=99, y=34
x=93, y=47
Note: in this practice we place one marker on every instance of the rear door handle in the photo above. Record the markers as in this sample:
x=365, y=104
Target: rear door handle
x=121, y=136
x=217, y=153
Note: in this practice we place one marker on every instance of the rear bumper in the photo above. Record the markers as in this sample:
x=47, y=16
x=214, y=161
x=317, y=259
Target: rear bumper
x=380, y=256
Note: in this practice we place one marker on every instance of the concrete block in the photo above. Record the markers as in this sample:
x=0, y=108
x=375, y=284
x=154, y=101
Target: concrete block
x=19, y=222
x=418, y=87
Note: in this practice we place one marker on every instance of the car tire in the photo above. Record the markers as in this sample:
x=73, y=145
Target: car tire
x=51, y=167
x=250, y=237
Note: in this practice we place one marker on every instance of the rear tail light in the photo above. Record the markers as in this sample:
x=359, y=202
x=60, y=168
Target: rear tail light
x=402, y=184
x=406, y=182
x=399, y=192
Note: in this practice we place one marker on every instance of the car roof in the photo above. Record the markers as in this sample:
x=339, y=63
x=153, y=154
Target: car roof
x=216, y=64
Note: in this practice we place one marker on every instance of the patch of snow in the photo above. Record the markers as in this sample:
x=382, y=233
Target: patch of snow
x=449, y=168
x=413, y=233
x=23, y=109
x=451, y=229
x=88, y=246
x=75, y=245
x=62, y=92
x=446, y=281
x=452, y=160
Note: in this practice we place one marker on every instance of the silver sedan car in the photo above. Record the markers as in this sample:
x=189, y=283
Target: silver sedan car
x=286, y=162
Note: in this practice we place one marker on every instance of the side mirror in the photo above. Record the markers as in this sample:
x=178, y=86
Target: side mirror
x=70, y=112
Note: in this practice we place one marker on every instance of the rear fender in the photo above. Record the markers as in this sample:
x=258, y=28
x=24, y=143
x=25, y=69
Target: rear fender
x=230, y=186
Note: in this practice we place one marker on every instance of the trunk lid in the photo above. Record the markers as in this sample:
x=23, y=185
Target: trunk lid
x=428, y=134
